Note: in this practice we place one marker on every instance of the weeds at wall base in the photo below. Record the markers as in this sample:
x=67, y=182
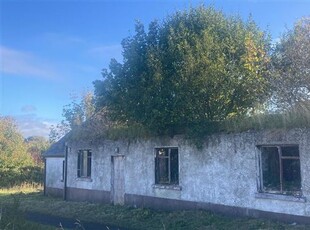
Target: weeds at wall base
x=122, y=216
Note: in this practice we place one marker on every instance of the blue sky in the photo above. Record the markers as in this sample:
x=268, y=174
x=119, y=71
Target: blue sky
x=53, y=49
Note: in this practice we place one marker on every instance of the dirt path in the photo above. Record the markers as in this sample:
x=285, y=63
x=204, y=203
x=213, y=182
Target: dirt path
x=67, y=223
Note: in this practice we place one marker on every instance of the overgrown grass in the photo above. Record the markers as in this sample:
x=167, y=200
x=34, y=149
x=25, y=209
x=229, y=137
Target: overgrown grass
x=294, y=119
x=96, y=128
x=117, y=131
x=11, y=215
x=135, y=218
x=15, y=175
x=123, y=131
x=26, y=188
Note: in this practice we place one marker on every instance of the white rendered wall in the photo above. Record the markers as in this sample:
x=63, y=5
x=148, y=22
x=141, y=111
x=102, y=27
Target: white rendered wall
x=225, y=171
x=54, y=172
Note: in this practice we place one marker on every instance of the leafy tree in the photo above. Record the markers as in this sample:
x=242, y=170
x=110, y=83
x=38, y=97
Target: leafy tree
x=291, y=62
x=74, y=115
x=36, y=146
x=196, y=66
x=58, y=131
x=14, y=158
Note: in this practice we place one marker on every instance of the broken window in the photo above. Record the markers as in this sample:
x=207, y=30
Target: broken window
x=84, y=163
x=166, y=166
x=280, y=167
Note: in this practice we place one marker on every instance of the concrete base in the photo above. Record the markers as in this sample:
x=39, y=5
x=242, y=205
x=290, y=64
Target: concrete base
x=54, y=192
x=139, y=201
x=171, y=204
x=77, y=194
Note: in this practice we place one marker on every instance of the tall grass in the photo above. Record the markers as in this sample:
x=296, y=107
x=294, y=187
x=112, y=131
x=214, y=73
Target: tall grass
x=298, y=117
x=23, y=188
x=11, y=215
x=14, y=206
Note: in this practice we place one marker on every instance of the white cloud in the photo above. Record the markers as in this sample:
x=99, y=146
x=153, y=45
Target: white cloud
x=32, y=125
x=28, y=109
x=24, y=64
x=275, y=41
x=59, y=39
x=105, y=53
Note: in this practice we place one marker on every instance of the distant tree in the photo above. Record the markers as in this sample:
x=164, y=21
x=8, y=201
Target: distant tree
x=291, y=62
x=36, y=146
x=74, y=115
x=198, y=65
x=58, y=131
x=13, y=155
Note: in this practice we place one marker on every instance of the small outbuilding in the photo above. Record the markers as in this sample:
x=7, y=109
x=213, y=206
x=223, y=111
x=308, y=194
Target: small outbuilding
x=54, y=161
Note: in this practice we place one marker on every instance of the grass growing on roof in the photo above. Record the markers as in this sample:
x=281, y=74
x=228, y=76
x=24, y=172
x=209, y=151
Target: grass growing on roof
x=99, y=126
x=298, y=118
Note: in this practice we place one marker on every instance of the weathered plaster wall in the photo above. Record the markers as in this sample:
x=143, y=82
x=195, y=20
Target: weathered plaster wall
x=301, y=138
x=54, y=172
x=100, y=168
x=218, y=173
x=225, y=171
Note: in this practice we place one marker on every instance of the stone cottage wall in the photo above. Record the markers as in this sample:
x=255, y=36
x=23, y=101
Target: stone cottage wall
x=223, y=176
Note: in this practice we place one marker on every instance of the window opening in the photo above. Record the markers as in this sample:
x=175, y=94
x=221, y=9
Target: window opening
x=84, y=163
x=166, y=166
x=281, y=170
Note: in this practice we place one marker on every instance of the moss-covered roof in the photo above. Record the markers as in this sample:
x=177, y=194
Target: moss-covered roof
x=93, y=128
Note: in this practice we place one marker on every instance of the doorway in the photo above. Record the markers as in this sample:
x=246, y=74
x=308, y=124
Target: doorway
x=118, y=180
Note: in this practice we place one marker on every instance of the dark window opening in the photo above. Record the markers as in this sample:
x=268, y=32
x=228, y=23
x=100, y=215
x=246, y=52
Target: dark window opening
x=166, y=166
x=281, y=170
x=84, y=163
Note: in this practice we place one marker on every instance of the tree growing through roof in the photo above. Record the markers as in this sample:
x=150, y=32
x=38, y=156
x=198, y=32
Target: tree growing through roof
x=196, y=66
x=291, y=62
x=74, y=114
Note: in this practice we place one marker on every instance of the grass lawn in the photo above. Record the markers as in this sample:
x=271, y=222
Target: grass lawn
x=11, y=216
x=132, y=218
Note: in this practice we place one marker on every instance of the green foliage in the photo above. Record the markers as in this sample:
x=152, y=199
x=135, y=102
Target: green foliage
x=292, y=66
x=74, y=115
x=13, y=155
x=36, y=146
x=27, y=174
x=298, y=117
x=197, y=66
x=125, y=131
x=100, y=126
x=58, y=131
x=16, y=164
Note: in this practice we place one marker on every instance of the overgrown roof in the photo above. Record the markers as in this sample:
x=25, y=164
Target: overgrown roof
x=100, y=127
x=95, y=127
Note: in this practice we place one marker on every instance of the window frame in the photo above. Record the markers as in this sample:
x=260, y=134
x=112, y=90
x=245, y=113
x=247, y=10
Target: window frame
x=84, y=170
x=170, y=182
x=281, y=191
